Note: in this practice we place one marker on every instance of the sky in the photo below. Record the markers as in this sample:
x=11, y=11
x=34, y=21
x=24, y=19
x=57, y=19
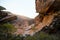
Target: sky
x=20, y=7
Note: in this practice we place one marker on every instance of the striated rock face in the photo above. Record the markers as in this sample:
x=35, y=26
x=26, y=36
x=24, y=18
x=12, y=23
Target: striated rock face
x=37, y=20
x=54, y=27
x=43, y=6
x=48, y=10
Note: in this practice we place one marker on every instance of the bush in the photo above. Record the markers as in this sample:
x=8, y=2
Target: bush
x=6, y=31
x=42, y=36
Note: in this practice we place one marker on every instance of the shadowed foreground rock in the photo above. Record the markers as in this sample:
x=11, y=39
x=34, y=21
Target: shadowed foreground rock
x=6, y=17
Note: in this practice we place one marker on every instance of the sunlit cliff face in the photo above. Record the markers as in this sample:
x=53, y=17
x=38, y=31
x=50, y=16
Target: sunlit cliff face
x=43, y=5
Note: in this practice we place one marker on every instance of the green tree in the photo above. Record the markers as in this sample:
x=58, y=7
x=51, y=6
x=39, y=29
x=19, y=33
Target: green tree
x=9, y=27
x=6, y=31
